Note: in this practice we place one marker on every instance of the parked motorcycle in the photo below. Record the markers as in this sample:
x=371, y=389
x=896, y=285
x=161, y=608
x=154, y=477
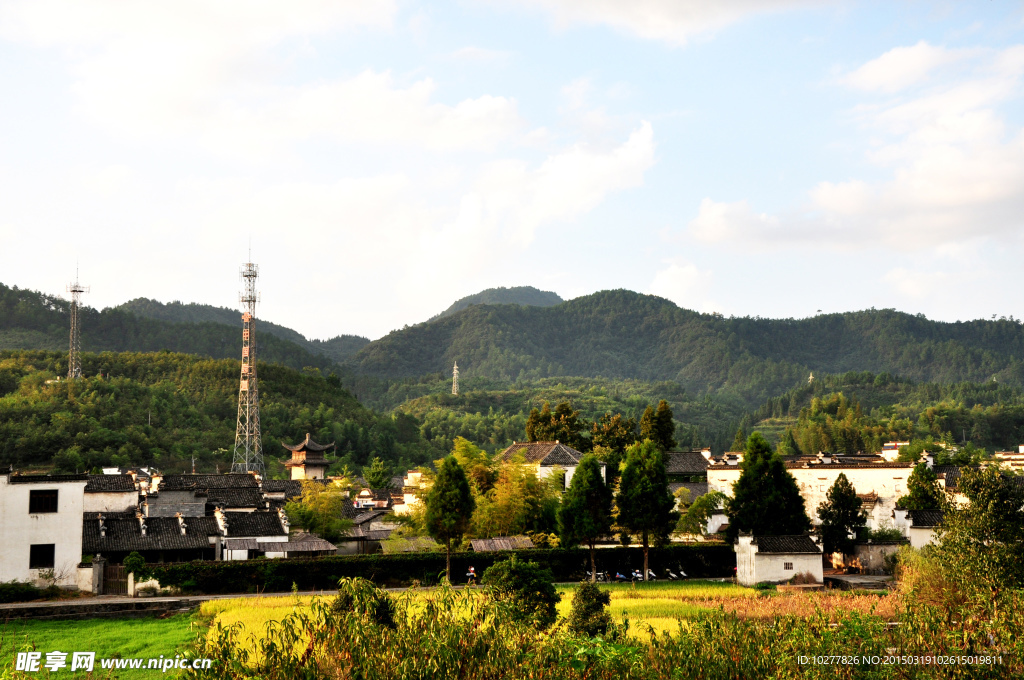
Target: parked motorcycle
x=671, y=575
x=621, y=578
x=651, y=576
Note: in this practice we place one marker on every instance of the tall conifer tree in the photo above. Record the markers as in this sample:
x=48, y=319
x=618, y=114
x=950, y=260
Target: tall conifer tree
x=766, y=499
x=450, y=506
x=645, y=504
x=586, y=511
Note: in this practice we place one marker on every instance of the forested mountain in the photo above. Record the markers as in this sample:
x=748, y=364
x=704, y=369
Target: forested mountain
x=163, y=409
x=519, y=295
x=337, y=349
x=32, y=320
x=624, y=335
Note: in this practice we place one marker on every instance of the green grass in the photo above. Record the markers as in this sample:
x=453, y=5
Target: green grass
x=123, y=638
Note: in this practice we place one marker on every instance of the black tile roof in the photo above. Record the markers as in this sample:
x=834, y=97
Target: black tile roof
x=501, y=543
x=364, y=517
x=235, y=498
x=696, y=489
x=924, y=519
x=290, y=487
x=786, y=544
x=125, y=534
x=685, y=462
x=308, y=445
x=245, y=524
x=110, y=483
x=16, y=478
x=228, y=481
x=543, y=453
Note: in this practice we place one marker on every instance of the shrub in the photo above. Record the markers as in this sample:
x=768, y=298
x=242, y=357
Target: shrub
x=803, y=578
x=764, y=585
x=136, y=564
x=16, y=591
x=588, y=616
x=359, y=596
x=526, y=587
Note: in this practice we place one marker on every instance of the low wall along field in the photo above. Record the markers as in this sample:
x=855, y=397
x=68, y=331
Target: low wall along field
x=698, y=561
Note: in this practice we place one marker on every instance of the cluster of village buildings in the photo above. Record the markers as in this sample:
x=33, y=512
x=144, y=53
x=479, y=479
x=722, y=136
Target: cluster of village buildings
x=49, y=522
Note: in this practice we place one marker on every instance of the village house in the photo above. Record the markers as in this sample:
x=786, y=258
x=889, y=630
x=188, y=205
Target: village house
x=776, y=559
x=41, y=527
x=547, y=458
x=688, y=470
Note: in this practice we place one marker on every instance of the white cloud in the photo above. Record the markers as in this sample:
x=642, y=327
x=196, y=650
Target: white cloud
x=481, y=54
x=684, y=284
x=672, y=21
x=200, y=71
x=901, y=67
x=957, y=171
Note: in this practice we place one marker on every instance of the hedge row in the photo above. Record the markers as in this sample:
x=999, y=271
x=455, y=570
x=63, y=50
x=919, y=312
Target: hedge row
x=322, y=573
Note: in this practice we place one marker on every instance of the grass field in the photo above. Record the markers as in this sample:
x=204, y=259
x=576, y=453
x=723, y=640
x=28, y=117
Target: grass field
x=109, y=638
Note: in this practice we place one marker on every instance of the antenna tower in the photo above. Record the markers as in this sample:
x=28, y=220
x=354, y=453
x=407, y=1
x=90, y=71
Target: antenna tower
x=74, y=359
x=248, y=455
x=455, y=378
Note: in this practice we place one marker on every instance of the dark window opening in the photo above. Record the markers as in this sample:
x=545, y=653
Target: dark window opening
x=40, y=556
x=42, y=500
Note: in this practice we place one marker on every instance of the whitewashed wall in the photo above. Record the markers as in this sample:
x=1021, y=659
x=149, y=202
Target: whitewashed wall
x=19, y=529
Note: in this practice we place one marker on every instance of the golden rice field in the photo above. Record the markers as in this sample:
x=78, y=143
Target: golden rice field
x=661, y=606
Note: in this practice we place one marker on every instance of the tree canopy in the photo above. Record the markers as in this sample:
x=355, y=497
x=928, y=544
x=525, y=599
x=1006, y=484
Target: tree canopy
x=585, y=514
x=644, y=503
x=841, y=516
x=766, y=500
x=449, y=508
x=923, y=492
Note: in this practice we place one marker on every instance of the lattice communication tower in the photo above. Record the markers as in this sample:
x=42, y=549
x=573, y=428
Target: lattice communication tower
x=455, y=378
x=248, y=445
x=74, y=359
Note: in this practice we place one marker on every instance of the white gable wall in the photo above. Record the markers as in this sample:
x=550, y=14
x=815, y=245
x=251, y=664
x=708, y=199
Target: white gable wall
x=19, y=530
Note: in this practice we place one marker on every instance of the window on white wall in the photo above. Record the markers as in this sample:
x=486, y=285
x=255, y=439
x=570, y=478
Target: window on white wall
x=788, y=566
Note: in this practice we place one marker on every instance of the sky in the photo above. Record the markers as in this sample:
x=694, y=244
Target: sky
x=381, y=159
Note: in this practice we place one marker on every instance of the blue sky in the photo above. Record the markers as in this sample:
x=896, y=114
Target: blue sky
x=767, y=158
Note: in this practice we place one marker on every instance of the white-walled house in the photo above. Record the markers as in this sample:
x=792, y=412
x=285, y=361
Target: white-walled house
x=41, y=526
x=111, y=493
x=547, y=457
x=775, y=559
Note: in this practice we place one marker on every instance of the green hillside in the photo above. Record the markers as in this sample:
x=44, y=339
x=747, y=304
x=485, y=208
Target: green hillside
x=163, y=408
x=519, y=295
x=32, y=320
x=624, y=335
x=859, y=411
x=337, y=349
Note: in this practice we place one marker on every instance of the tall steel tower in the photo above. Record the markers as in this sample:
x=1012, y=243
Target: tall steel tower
x=248, y=446
x=74, y=360
x=455, y=378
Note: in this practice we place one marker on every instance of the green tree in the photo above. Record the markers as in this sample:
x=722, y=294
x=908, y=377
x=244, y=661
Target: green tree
x=564, y=424
x=766, y=500
x=586, y=511
x=520, y=501
x=613, y=432
x=788, y=445
x=589, y=616
x=665, y=426
x=648, y=425
x=923, y=492
x=378, y=474
x=739, y=442
x=981, y=543
x=645, y=504
x=478, y=465
x=840, y=515
x=526, y=586
x=695, y=519
x=450, y=508
x=322, y=510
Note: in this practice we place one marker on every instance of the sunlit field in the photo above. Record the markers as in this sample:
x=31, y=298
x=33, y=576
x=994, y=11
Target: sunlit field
x=658, y=606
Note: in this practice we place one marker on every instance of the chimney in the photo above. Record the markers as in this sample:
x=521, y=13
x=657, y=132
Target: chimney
x=284, y=519
x=103, y=529
x=181, y=522
x=142, y=522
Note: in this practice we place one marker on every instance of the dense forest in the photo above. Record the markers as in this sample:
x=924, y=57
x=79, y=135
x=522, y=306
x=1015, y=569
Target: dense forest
x=881, y=375
x=163, y=409
x=860, y=411
x=32, y=320
x=624, y=335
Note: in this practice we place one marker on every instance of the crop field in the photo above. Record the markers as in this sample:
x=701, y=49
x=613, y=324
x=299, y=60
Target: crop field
x=658, y=606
